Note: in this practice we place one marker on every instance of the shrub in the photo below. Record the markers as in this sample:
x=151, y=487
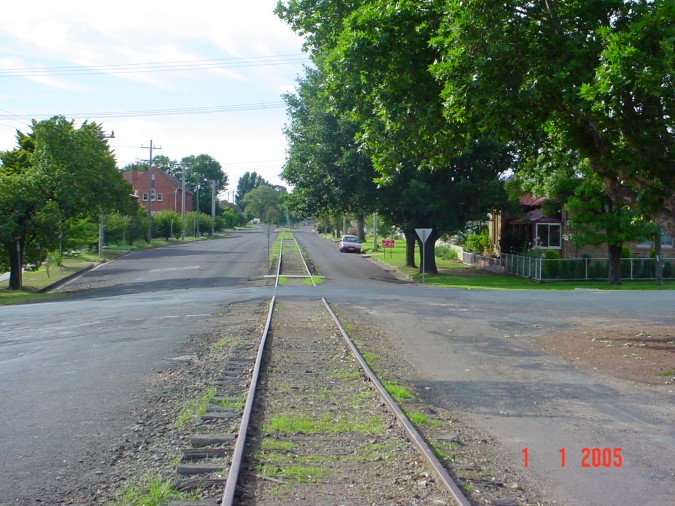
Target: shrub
x=477, y=243
x=446, y=253
x=551, y=264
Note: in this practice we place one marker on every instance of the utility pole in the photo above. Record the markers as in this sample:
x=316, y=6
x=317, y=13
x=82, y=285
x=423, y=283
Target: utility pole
x=182, y=203
x=213, y=206
x=151, y=187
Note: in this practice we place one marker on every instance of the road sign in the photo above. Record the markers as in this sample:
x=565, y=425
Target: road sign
x=423, y=234
x=387, y=243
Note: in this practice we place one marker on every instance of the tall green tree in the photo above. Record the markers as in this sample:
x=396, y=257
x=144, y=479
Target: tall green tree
x=596, y=74
x=200, y=171
x=263, y=202
x=376, y=63
x=57, y=172
x=324, y=163
x=247, y=182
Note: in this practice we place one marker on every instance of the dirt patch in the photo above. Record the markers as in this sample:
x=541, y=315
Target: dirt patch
x=629, y=350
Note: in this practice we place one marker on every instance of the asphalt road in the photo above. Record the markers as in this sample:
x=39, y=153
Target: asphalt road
x=473, y=351
x=73, y=371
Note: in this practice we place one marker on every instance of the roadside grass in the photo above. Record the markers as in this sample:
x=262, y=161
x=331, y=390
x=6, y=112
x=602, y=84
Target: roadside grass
x=153, y=491
x=669, y=372
x=455, y=274
x=194, y=408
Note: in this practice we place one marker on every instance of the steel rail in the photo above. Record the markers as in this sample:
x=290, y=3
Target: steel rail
x=414, y=436
x=237, y=455
x=281, y=249
x=303, y=261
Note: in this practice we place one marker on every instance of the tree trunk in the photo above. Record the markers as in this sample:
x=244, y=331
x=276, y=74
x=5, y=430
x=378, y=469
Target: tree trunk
x=361, y=227
x=16, y=262
x=614, y=263
x=429, y=251
x=410, y=248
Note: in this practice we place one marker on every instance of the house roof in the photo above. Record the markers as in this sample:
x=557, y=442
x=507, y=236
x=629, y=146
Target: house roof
x=534, y=212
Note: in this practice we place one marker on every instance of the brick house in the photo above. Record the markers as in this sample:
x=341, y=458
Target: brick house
x=536, y=229
x=164, y=189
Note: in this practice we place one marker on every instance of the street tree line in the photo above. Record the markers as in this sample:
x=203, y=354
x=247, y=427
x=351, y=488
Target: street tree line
x=61, y=182
x=420, y=111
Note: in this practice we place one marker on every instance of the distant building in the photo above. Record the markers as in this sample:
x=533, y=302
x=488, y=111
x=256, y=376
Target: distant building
x=163, y=190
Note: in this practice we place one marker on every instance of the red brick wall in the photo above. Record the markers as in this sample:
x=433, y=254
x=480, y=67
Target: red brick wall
x=166, y=189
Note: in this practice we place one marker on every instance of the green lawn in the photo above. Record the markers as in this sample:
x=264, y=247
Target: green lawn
x=454, y=274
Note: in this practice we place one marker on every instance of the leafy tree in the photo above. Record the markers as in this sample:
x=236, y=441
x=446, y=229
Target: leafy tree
x=56, y=172
x=596, y=219
x=167, y=224
x=262, y=202
x=324, y=163
x=115, y=227
x=596, y=74
x=200, y=170
x=247, y=182
x=568, y=184
x=376, y=63
x=137, y=227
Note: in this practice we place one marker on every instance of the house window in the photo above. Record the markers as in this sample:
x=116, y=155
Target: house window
x=145, y=197
x=159, y=197
x=549, y=235
x=666, y=241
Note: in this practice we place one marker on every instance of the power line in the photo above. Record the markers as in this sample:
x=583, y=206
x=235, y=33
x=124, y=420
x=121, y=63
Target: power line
x=168, y=112
x=151, y=67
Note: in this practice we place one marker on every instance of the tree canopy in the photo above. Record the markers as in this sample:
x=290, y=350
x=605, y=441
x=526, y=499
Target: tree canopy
x=596, y=74
x=247, y=182
x=56, y=173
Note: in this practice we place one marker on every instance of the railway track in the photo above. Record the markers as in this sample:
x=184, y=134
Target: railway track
x=298, y=417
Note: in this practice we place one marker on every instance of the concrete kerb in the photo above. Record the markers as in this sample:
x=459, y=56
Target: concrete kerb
x=68, y=278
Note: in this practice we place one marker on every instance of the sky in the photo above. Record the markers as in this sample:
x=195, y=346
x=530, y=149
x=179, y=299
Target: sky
x=197, y=77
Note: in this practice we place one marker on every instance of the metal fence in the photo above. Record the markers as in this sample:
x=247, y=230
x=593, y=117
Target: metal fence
x=573, y=269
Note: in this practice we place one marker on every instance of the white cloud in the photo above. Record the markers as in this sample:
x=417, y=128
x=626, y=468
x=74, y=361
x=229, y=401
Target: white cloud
x=72, y=33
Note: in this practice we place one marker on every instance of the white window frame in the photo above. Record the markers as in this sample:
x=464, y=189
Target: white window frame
x=548, y=226
x=145, y=197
